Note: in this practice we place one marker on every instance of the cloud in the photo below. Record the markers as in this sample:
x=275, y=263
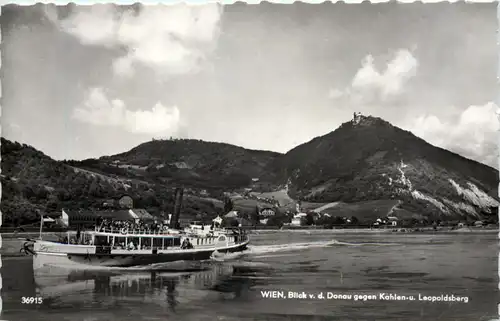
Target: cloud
x=389, y=82
x=168, y=39
x=473, y=134
x=99, y=110
x=369, y=83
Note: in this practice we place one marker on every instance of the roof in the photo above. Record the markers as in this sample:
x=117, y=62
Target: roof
x=119, y=215
x=143, y=214
x=231, y=214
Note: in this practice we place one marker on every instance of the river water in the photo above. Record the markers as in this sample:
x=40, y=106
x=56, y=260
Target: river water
x=311, y=262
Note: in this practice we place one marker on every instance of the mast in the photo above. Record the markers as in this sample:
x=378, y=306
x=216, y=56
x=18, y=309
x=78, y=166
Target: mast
x=41, y=225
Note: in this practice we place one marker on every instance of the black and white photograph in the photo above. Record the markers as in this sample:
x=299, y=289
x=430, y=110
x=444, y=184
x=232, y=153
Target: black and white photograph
x=305, y=162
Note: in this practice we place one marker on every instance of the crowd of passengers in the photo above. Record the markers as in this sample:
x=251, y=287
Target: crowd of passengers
x=138, y=227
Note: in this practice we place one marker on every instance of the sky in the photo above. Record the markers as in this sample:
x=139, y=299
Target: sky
x=81, y=82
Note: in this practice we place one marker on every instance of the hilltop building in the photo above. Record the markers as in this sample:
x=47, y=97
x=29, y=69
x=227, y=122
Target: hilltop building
x=357, y=118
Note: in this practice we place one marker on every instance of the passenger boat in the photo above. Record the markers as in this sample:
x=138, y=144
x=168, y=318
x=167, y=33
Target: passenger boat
x=108, y=247
x=111, y=248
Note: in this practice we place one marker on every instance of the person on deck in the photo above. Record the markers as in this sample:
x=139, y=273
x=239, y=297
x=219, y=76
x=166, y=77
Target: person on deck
x=186, y=244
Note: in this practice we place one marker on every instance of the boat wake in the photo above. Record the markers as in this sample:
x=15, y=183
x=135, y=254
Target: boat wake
x=291, y=247
x=335, y=242
x=288, y=247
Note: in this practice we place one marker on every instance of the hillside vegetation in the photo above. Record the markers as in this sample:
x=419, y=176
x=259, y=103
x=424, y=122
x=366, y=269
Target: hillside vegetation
x=33, y=183
x=373, y=160
x=365, y=164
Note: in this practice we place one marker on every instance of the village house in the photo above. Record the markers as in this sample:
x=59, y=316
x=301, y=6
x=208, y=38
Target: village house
x=109, y=203
x=74, y=219
x=267, y=212
x=392, y=220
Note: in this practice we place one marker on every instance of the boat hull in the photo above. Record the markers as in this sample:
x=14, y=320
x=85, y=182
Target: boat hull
x=46, y=259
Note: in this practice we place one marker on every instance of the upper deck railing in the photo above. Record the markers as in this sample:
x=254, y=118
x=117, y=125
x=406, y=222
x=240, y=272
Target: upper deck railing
x=126, y=231
x=163, y=232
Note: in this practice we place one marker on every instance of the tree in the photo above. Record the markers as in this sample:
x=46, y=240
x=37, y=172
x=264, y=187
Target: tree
x=229, y=222
x=276, y=220
x=255, y=217
x=354, y=220
x=228, y=205
x=309, y=220
x=337, y=220
x=52, y=203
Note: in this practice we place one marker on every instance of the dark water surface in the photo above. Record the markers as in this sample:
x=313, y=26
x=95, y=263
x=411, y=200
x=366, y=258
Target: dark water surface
x=312, y=262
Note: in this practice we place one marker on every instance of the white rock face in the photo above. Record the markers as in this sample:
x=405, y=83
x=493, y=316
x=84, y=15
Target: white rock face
x=421, y=196
x=474, y=195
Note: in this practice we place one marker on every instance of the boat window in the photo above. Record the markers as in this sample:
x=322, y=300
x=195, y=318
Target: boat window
x=169, y=241
x=120, y=241
x=146, y=242
x=134, y=240
x=86, y=239
x=157, y=242
x=101, y=240
x=177, y=241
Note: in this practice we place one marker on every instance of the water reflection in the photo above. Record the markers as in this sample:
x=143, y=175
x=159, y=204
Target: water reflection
x=101, y=289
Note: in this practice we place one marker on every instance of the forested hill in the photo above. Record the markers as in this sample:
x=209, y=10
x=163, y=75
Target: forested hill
x=365, y=159
x=33, y=183
x=368, y=158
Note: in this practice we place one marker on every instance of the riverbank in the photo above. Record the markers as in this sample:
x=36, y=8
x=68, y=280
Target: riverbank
x=13, y=242
x=427, y=230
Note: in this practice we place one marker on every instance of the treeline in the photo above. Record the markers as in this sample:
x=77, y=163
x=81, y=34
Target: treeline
x=34, y=184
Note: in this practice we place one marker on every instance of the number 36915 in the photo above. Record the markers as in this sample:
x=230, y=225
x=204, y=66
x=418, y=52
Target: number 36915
x=31, y=300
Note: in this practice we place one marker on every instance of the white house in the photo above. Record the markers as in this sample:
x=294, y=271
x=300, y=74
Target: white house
x=217, y=221
x=167, y=221
x=297, y=219
x=392, y=220
x=267, y=212
x=64, y=219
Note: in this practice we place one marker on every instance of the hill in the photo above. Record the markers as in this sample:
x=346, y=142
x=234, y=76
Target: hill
x=33, y=183
x=370, y=159
x=191, y=163
x=365, y=163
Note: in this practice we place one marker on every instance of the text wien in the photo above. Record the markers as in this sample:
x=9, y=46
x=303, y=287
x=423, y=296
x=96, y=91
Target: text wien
x=286, y=295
